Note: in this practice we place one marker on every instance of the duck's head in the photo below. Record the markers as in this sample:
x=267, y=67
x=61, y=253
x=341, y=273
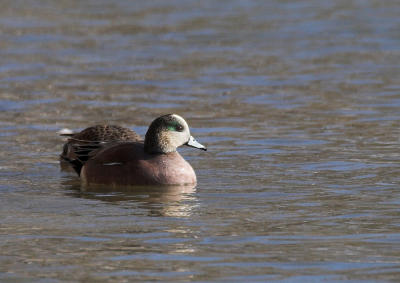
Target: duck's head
x=168, y=132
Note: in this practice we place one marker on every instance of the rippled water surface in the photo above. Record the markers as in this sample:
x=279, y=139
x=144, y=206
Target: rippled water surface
x=297, y=101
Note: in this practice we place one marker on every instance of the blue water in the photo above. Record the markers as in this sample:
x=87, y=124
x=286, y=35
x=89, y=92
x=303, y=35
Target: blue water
x=297, y=102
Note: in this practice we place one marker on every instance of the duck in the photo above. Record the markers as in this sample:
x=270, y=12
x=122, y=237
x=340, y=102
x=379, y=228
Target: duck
x=114, y=156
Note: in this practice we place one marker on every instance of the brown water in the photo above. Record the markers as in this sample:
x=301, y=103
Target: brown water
x=297, y=101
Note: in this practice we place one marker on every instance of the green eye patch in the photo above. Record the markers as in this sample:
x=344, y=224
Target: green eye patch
x=175, y=127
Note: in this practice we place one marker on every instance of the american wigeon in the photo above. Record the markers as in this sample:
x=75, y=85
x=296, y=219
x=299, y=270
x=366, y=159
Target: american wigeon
x=153, y=161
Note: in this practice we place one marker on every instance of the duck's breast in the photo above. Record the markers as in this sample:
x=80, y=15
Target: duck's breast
x=171, y=169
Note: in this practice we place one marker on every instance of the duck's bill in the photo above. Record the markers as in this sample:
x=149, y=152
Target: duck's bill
x=193, y=143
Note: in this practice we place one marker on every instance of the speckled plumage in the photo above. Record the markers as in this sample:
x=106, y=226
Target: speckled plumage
x=106, y=133
x=94, y=135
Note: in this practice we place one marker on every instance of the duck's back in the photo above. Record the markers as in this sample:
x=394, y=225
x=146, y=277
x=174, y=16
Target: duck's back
x=91, y=136
x=106, y=133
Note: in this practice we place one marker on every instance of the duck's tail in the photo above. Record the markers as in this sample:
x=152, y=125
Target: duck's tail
x=65, y=132
x=80, y=154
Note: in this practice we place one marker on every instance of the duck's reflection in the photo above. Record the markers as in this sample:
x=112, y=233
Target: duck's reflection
x=175, y=201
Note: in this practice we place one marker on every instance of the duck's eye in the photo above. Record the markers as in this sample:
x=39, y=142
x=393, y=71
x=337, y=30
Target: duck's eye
x=175, y=127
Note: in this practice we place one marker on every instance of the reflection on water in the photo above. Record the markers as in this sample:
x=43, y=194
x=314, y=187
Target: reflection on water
x=298, y=102
x=174, y=201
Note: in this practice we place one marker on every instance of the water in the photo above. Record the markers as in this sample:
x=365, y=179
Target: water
x=297, y=101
